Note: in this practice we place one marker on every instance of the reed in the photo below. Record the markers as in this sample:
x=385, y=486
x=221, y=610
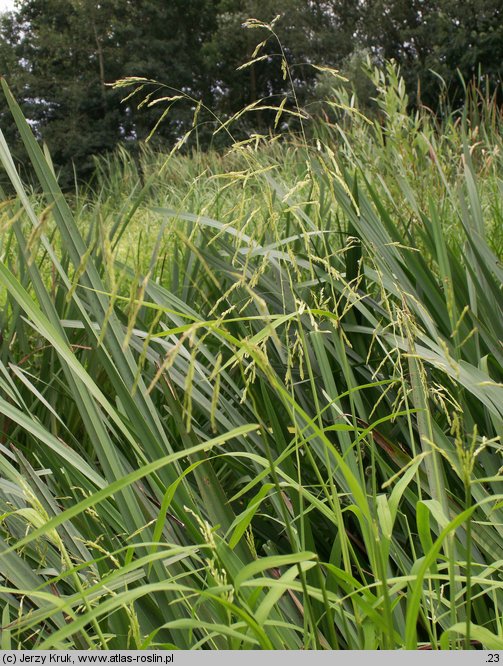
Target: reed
x=254, y=399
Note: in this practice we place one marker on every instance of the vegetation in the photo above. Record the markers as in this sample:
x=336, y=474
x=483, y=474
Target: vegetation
x=60, y=56
x=254, y=399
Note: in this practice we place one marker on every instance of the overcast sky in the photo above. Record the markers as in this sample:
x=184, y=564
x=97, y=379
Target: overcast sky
x=6, y=4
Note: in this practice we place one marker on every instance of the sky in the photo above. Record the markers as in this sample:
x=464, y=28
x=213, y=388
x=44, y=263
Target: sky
x=6, y=4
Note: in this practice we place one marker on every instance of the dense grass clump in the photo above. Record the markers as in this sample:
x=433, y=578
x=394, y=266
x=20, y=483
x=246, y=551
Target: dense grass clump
x=255, y=400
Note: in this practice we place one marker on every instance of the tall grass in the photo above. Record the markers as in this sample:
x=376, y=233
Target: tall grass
x=254, y=400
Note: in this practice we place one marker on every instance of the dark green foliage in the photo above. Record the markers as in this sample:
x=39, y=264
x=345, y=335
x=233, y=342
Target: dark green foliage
x=457, y=40
x=59, y=56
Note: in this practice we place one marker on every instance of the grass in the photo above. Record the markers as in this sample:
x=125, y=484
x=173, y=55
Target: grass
x=255, y=400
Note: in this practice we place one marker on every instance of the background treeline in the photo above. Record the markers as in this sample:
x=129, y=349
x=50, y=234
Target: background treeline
x=59, y=56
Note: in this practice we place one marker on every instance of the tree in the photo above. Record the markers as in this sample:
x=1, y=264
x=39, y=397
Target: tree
x=305, y=34
x=164, y=41
x=62, y=54
x=65, y=53
x=451, y=38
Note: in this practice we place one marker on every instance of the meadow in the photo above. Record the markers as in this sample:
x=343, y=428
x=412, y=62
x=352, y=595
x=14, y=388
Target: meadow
x=253, y=399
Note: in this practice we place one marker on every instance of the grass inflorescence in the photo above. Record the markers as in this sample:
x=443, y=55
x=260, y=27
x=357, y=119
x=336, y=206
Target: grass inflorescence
x=254, y=399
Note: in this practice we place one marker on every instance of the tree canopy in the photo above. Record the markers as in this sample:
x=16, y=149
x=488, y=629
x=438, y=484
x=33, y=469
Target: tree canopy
x=60, y=56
